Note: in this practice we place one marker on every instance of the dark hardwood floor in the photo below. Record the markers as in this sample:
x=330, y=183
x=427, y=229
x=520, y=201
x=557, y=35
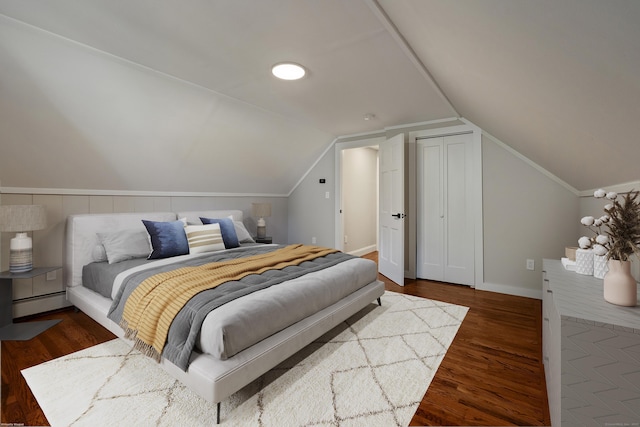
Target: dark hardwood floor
x=75, y=332
x=491, y=375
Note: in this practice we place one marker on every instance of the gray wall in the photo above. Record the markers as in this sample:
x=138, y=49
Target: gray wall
x=48, y=244
x=310, y=213
x=360, y=199
x=70, y=111
x=527, y=214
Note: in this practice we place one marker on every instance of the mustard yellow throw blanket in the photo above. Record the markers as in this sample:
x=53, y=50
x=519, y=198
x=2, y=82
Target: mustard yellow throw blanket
x=153, y=305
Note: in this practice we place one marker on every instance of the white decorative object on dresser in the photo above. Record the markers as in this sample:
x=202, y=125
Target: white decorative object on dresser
x=584, y=262
x=591, y=352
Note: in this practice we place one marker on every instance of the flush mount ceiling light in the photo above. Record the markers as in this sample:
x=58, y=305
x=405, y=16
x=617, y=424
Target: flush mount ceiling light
x=288, y=71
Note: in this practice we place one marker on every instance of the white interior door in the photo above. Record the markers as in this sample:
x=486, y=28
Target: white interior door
x=445, y=215
x=392, y=214
x=430, y=224
x=459, y=242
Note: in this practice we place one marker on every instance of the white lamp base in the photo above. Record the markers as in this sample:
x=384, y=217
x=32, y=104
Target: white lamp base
x=262, y=229
x=20, y=254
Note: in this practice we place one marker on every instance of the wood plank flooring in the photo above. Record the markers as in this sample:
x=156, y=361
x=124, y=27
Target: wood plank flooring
x=491, y=375
x=75, y=332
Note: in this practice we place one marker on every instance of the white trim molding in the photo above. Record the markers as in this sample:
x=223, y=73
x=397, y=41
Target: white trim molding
x=510, y=290
x=329, y=147
x=406, y=48
x=363, y=251
x=618, y=188
x=529, y=161
x=427, y=123
x=133, y=193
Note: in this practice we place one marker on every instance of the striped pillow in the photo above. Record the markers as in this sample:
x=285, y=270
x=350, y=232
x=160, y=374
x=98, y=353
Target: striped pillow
x=204, y=238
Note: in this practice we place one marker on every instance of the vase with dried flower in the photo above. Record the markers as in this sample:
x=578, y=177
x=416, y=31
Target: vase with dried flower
x=618, y=242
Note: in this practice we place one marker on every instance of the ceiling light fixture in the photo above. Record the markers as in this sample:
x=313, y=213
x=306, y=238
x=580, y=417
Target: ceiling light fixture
x=288, y=71
x=369, y=117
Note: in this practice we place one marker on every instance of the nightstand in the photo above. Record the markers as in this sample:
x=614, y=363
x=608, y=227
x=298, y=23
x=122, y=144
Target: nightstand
x=267, y=239
x=24, y=331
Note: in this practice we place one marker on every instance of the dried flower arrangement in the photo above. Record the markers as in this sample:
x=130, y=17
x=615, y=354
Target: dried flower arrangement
x=622, y=220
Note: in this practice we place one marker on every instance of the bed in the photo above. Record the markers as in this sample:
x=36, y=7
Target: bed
x=210, y=369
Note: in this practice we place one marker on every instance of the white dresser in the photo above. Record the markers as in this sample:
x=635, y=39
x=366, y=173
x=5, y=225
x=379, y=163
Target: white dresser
x=591, y=352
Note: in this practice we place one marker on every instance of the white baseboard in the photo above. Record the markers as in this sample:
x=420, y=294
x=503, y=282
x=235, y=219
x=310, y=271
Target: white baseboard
x=511, y=290
x=37, y=305
x=363, y=251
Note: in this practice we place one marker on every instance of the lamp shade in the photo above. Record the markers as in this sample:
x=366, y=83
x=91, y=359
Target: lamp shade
x=21, y=218
x=261, y=210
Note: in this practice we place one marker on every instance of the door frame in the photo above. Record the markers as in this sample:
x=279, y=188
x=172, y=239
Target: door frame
x=339, y=147
x=477, y=191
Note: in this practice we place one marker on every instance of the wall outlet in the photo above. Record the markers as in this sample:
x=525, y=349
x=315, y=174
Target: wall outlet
x=346, y=240
x=313, y=241
x=531, y=264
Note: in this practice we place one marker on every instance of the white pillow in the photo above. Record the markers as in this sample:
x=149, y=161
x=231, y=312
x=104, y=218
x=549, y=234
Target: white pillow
x=242, y=233
x=204, y=238
x=99, y=254
x=125, y=244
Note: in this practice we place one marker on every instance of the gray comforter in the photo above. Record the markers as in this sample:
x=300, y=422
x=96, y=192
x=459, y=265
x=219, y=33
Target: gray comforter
x=300, y=293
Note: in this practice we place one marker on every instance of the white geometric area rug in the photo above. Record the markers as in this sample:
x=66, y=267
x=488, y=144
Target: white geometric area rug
x=371, y=370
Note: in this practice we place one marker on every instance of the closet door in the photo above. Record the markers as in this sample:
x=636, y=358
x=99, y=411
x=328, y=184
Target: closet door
x=445, y=221
x=430, y=225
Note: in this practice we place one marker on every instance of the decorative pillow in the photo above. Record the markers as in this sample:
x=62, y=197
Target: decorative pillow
x=167, y=238
x=242, y=233
x=98, y=254
x=204, y=238
x=125, y=244
x=228, y=231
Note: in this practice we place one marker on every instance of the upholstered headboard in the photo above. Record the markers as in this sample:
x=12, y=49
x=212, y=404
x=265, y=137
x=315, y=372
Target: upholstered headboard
x=81, y=237
x=193, y=217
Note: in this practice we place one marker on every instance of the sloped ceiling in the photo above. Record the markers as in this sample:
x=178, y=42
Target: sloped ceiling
x=558, y=81
x=177, y=96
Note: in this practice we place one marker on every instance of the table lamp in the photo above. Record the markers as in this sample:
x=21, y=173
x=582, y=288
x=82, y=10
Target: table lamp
x=261, y=210
x=21, y=219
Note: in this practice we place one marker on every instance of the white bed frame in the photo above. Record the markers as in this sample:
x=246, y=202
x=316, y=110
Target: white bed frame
x=211, y=378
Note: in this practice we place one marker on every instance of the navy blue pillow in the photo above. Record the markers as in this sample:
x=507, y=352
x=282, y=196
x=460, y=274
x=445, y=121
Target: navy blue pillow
x=167, y=239
x=228, y=230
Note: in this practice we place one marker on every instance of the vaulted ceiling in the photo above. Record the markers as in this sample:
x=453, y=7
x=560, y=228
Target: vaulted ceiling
x=171, y=95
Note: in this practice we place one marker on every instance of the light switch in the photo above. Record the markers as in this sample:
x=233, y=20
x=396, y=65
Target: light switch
x=327, y=195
